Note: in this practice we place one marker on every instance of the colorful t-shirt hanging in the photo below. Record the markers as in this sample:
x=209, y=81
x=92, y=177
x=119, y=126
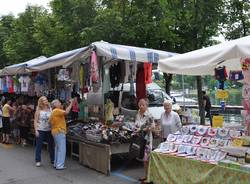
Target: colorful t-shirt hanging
x=236, y=75
x=24, y=80
x=10, y=84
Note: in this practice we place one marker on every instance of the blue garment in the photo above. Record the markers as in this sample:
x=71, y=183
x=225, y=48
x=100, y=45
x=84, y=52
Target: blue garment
x=44, y=135
x=60, y=150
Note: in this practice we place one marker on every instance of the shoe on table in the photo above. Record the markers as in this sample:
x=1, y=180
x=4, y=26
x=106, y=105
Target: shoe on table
x=38, y=164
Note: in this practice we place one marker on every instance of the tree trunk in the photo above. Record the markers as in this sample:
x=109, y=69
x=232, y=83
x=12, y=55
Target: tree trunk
x=200, y=100
x=168, y=79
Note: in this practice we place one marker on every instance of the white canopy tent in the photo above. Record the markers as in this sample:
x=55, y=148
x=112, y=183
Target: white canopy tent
x=21, y=68
x=204, y=61
x=63, y=59
x=104, y=49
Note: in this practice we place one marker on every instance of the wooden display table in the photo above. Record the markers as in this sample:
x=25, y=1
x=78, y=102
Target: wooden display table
x=94, y=155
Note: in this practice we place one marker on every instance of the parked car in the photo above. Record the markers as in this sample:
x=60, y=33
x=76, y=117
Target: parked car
x=128, y=105
x=180, y=99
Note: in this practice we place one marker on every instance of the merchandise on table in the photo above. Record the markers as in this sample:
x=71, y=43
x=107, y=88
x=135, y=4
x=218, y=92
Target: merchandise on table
x=200, y=143
x=119, y=132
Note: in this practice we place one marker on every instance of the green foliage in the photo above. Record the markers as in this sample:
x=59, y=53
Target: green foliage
x=21, y=44
x=171, y=25
x=236, y=22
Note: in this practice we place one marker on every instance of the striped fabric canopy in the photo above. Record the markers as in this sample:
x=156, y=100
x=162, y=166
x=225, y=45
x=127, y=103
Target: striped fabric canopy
x=105, y=49
x=21, y=68
x=129, y=53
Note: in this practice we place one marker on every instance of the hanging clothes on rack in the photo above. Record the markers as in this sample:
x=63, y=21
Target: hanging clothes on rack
x=140, y=83
x=115, y=75
x=94, y=68
x=148, y=73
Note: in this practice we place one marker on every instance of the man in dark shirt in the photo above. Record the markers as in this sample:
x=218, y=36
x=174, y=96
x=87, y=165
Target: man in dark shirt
x=207, y=106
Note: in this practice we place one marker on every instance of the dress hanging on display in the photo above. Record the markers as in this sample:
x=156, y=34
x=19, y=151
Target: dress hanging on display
x=140, y=83
x=94, y=67
x=148, y=73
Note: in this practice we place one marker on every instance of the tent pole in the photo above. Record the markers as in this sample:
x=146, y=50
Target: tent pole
x=200, y=100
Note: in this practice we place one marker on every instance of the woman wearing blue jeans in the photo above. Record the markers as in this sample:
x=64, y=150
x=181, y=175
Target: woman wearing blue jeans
x=43, y=129
x=58, y=129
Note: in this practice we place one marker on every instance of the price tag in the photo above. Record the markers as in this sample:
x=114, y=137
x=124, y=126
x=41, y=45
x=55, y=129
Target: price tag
x=218, y=121
x=222, y=94
x=237, y=142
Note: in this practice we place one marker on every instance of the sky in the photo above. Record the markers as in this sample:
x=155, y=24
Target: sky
x=18, y=6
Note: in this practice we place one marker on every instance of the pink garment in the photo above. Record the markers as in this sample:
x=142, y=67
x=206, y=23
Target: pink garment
x=75, y=107
x=94, y=67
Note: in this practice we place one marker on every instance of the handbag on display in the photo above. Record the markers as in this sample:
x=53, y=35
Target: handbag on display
x=205, y=141
x=171, y=137
x=184, y=130
x=202, y=130
x=196, y=139
x=193, y=128
x=212, y=131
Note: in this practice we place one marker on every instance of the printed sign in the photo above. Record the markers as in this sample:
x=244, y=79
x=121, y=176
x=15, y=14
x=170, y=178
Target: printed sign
x=222, y=94
x=218, y=121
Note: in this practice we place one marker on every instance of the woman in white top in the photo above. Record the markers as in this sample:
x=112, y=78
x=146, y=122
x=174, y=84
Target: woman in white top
x=43, y=129
x=170, y=121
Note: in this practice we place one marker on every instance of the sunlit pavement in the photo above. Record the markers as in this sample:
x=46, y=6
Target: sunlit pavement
x=17, y=166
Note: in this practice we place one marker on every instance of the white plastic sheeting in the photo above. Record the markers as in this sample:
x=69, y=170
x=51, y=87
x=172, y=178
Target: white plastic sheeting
x=204, y=61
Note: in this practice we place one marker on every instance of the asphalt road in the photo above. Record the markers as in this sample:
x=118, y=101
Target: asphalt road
x=17, y=166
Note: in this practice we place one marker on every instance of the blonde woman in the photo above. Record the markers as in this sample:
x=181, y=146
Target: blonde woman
x=43, y=129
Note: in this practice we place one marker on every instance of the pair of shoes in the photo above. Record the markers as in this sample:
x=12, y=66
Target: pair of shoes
x=61, y=168
x=38, y=164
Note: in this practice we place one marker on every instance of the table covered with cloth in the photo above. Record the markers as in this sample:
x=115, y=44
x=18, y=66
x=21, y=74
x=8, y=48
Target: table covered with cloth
x=169, y=169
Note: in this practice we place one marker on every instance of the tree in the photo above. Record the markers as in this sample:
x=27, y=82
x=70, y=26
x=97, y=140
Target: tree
x=6, y=29
x=236, y=19
x=21, y=45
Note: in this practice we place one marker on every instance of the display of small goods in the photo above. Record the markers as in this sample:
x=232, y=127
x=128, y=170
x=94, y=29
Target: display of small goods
x=202, y=143
x=118, y=132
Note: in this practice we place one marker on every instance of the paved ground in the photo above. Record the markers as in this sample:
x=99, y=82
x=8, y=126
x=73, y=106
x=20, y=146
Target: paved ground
x=17, y=167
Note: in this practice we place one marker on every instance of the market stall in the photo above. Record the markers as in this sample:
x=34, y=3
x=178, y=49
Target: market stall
x=202, y=154
x=91, y=72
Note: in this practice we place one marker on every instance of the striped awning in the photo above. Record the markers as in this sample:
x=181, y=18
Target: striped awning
x=130, y=53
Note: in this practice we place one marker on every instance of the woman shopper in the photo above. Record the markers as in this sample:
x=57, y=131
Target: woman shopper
x=43, y=129
x=23, y=118
x=145, y=127
x=58, y=127
x=6, y=121
x=170, y=121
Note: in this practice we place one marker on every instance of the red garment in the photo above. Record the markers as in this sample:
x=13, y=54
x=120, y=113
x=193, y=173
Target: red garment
x=148, y=73
x=140, y=84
